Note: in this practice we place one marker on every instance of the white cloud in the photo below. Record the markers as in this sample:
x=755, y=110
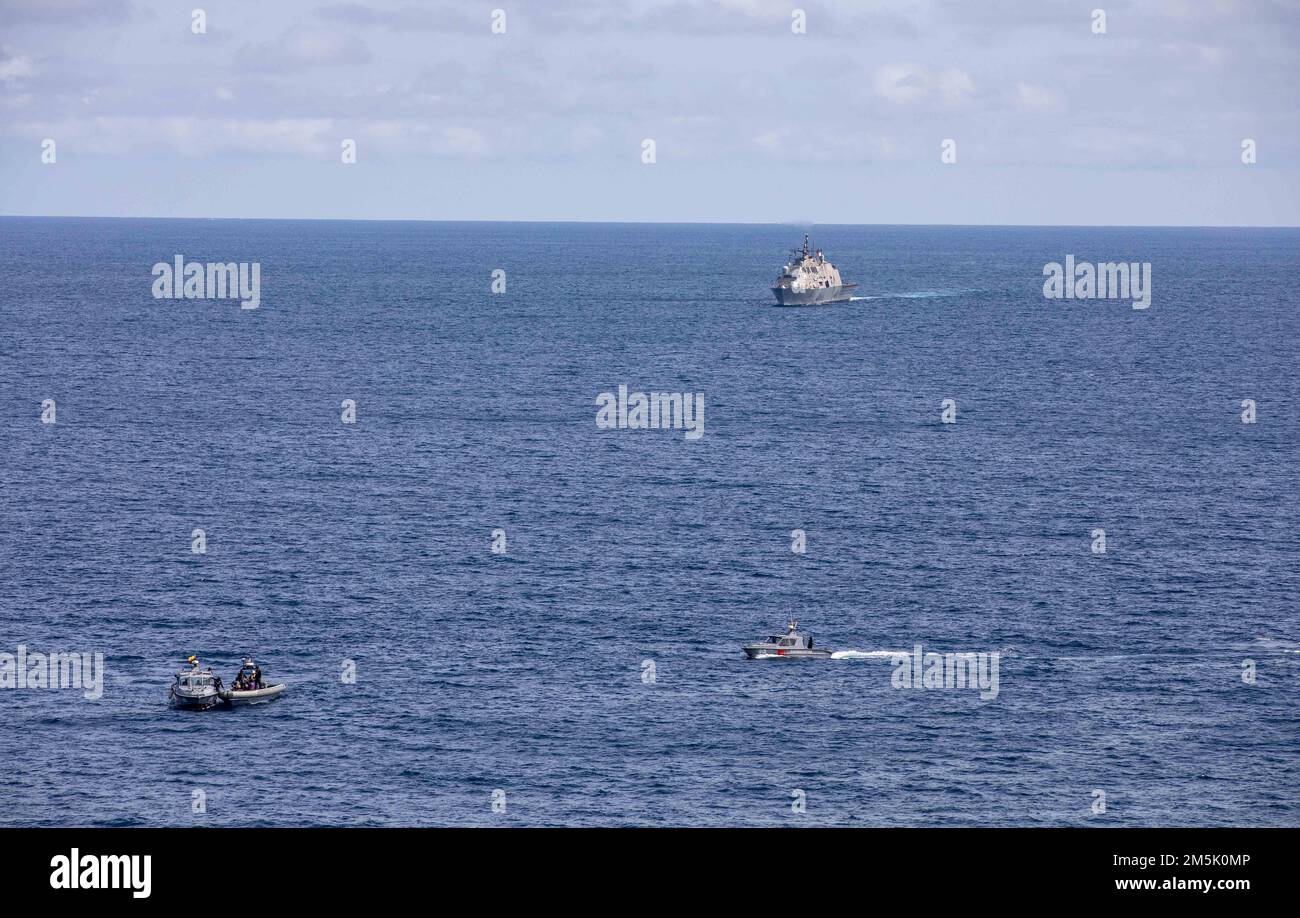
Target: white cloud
x=1200, y=10
x=1111, y=146
x=14, y=66
x=459, y=141
x=843, y=147
x=1030, y=98
x=585, y=137
x=758, y=9
x=304, y=46
x=899, y=83
x=1208, y=56
x=317, y=138
x=954, y=86
x=907, y=84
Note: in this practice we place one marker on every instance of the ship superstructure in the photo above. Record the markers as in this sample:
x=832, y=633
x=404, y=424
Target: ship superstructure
x=808, y=279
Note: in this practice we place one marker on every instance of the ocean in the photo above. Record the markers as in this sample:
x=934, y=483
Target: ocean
x=589, y=671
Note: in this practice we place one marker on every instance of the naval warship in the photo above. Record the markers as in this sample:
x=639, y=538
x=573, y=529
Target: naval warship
x=810, y=280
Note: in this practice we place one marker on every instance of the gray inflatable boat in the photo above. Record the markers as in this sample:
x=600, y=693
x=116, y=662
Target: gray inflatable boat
x=236, y=697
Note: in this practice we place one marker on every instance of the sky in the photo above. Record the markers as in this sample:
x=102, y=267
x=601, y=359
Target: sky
x=752, y=122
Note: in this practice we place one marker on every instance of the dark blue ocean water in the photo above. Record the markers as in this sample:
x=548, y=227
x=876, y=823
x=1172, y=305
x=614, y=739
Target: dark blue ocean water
x=1120, y=672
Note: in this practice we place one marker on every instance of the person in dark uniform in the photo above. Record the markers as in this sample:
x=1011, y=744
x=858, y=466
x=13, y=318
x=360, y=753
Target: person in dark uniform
x=249, y=677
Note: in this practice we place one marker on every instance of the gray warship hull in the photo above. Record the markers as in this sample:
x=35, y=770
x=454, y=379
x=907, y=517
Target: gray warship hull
x=818, y=296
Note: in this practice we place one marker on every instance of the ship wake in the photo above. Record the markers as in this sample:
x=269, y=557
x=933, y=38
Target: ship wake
x=918, y=295
x=866, y=654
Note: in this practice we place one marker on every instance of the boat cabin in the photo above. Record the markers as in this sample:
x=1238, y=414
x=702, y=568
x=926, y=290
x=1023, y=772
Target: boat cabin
x=792, y=639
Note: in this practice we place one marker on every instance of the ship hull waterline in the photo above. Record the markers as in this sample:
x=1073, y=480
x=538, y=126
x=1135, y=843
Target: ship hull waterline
x=781, y=653
x=195, y=702
x=818, y=296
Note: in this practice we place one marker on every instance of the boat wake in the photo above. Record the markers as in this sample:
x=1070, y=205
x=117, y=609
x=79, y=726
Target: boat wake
x=844, y=655
x=921, y=295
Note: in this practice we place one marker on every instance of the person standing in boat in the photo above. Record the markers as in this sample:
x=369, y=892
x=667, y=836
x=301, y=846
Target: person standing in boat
x=248, y=676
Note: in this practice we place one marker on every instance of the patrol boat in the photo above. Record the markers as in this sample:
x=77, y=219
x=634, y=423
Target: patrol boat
x=810, y=280
x=195, y=688
x=792, y=644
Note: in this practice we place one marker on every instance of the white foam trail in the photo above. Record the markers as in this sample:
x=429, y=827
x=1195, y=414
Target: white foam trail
x=866, y=654
x=920, y=295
